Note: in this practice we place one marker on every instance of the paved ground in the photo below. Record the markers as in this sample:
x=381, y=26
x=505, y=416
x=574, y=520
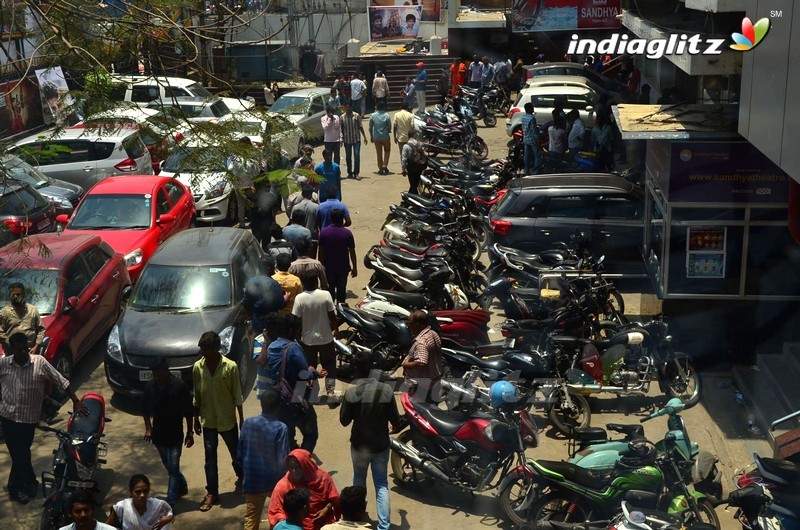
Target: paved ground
x=718, y=423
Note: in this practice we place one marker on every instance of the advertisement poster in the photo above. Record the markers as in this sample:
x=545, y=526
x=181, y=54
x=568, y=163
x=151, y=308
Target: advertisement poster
x=21, y=110
x=562, y=15
x=53, y=90
x=429, y=8
x=393, y=23
x=705, y=256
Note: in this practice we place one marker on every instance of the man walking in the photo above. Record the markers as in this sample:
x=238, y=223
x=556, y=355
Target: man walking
x=475, y=71
x=23, y=378
x=403, y=123
x=217, y=400
x=262, y=295
x=358, y=90
x=370, y=406
x=352, y=132
x=289, y=282
x=331, y=132
x=315, y=308
x=380, y=127
x=262, y=450
x=530, y=140
x=325, y=209
x=296, y=230
x=168, y=401
x=420, y=85
x=329, y=170
x=424, y=363
x=380, y=89
x=307, y=265
x=308, y=208
x=412, y=161
x=336, y=244
x=22, y=317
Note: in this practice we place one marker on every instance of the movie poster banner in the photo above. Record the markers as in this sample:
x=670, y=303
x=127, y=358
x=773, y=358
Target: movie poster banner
x=430, y=8
x=53, y=90
x=393, y=23
x=561, y=15
x=19, y=107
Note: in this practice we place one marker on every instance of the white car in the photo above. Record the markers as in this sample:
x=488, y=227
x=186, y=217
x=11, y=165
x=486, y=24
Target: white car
x=281, y=132
x=141, y=90
x=544, y=97
x=572, y=80
x=305, y=108
x=195, y=110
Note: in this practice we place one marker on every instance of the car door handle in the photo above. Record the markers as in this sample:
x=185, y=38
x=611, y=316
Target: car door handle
x=115, y=275
x=606, y=234
x=95, y=299
x=544, y=232
x=87, y=168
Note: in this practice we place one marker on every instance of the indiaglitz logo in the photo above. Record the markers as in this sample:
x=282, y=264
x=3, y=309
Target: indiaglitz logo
x=751, y=34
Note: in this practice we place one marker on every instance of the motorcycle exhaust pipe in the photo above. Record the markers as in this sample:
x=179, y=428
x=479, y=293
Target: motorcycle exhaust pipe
x=417, y=461
x=343, y=348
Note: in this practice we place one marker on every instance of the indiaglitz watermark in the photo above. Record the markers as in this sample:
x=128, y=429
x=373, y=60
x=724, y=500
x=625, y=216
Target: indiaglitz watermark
x=621, y=44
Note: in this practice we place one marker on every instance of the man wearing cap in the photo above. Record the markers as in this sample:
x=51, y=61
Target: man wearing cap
x=420, y=84
x=332, y=132
x=168, y=401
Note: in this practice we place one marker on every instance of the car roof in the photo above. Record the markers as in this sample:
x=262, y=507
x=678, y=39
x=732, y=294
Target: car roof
x=556, y=79
x=82, y=133
x=553, y=65
x=60, y=245
x=132, y=113
x=556, y=90
x=306, y=92
x=200, y=246
x=138, y=79
x=574, y=181
x=129, y=184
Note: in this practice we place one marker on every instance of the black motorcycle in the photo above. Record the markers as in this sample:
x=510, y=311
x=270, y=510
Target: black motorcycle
x=388, y=340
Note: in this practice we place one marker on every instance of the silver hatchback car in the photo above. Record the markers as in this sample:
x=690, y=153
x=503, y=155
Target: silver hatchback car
x=84, y=156
x=305, y=108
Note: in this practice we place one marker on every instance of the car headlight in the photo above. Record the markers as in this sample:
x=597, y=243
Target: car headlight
x=216, y=190
x=134, y=257
x=226, y=338
x=114, y=349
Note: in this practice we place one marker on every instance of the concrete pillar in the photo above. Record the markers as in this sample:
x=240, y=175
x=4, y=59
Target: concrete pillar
x=354, y=48
x=436, y=45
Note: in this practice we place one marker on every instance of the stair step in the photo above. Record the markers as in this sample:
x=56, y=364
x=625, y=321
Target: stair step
x=762, y=400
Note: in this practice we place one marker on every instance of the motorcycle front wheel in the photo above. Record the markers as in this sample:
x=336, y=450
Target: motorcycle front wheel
x=684, y=383
x=556, y=506
x=490, y=120
x=517, y=499
x=478, y=148
x=707, y=513
x=404, y=474
x=567, y=418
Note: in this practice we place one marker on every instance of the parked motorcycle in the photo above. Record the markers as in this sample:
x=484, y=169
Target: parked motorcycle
x=388, y=339
x=79, y=455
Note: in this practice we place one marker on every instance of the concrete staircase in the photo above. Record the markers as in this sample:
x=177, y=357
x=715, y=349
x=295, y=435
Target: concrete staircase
x=771, y=390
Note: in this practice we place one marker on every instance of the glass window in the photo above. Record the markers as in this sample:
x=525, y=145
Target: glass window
x=144, y=93
x=101, y=150
x=69, y=151
x=707, y=214
x=617, y=207
x=769, y=214
x=175, y=192
x=23, y=172
x=180, y=288
x=41, y=287
x=175, y=92
x=219, y=109
x=572, y=206
x=96, y=259
x=134, y=147
x=198, y=91
x=289, y=105
x=162, y=204
x=317, y=105
x=20, y=200
x=112, y=212
x=76, y=277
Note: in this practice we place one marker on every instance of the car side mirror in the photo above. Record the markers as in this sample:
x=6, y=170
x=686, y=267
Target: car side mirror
x=62, y=219
x=126, y=293
x=165, y=218
x=72, y=303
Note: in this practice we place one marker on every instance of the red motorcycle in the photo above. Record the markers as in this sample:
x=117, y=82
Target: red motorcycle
x=476, y=449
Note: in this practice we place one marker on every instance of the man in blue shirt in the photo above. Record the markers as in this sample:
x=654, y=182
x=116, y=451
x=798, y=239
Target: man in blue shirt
x=329, y=170
x=263, y=446
x=324, y=211
x=530, y=139
x=420, y=84
x=380, y=129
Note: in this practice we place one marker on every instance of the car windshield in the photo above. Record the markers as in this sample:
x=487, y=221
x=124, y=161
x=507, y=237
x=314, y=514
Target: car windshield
x=23, y=172
x=290, y=105
x=193, y=159
x=112, y=212
x=198, y=91
x=182, y=288
x=41, y=287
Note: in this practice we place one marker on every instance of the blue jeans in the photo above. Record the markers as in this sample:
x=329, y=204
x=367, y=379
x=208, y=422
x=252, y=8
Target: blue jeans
x=210, y=444
x=352, y=153
x=171, y=458
x=535, y=151
x=379, y=462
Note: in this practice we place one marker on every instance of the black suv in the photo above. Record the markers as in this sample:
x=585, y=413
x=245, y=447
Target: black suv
x=539, y=211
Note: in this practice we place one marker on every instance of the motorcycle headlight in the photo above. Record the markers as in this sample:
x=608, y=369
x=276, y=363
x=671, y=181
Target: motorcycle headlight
x=216, y=190
x=226, y=339
x=134, y=257
x=114, y=349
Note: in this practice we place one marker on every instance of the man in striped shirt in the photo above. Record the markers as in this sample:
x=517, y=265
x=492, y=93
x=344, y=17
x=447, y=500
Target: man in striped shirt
x=424, y=363
x=22, y=379
x=351, y=129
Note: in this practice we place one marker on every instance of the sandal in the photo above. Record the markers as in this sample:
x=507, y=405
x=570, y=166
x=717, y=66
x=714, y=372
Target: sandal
x=21, y=498
x=208, y=501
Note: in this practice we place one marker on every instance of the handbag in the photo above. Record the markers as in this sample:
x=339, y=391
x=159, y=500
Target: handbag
x=299, y=406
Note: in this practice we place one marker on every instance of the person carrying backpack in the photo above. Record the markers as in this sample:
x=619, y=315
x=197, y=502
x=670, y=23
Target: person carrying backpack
x=413, y=160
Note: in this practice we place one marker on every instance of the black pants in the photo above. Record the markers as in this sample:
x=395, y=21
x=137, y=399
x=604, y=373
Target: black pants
x=19, y=439
x=210, y=444
x=337, y=286
x=413, y=179
x=334, y=148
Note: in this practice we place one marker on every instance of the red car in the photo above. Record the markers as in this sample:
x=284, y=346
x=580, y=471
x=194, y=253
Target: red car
x=133, y=214
x=79, y=286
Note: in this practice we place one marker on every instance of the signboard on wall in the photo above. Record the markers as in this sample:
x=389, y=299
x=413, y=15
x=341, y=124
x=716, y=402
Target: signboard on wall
x=393, y=23
x=431, y=9
x=564, y=15
x=705, y=251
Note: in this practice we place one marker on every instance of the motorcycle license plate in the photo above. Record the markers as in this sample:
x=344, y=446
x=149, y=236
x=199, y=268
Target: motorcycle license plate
x=145, y=375
x=83, y=484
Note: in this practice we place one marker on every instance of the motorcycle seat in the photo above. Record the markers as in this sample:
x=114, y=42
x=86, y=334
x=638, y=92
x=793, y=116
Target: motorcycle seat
x=83, y=426
x=405, y=272
x=424, y=201
x=776, y=470
x=408, y=300
x=477, y=317
x=496, y=363
x=585, y=477
x=365, y=321
x=441, y=420
x=403, y=258
x=590, y=435
x=405, y=245
x=630, y=431
x=527, y=292
x=529, y=261
x=533, y=324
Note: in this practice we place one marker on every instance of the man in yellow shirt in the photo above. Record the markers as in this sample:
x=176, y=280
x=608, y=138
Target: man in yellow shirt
x=217, y=398
x=291, y=284
x=403, y=122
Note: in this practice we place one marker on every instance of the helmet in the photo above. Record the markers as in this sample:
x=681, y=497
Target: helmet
x=502, y=393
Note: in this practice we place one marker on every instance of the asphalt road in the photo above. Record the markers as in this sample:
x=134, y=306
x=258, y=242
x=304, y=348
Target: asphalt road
x=717, y=423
